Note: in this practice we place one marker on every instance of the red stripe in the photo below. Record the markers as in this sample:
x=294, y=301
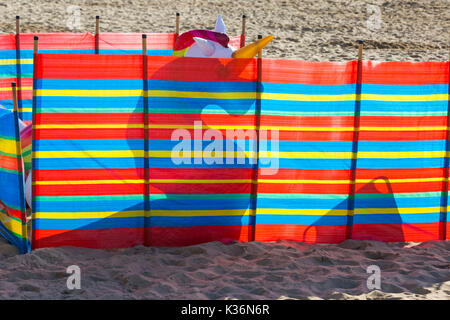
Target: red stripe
x=307, y=72
x=408, y=73
x=12, y=212
x=57, y=41
x=123, y=174
x=201, y=69
x=9, y=163
x=383, y=121
x=89, y=174
x=402, y=135
x=301, y=174
x=312, y=188
x=343, y=188
x=186, y=236
x=400, y=173
x=155, y=188
x=133, y=41
x=129, y=237
x=42, y=134
x=7, y=42
x=88, y=189
x=90, y=118
x=336, y=174
x=303, y=233
x=83, y=66
x=89, y=238
x=398, y=232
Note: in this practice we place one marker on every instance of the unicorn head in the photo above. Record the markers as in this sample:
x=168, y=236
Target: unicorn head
x=214, y=44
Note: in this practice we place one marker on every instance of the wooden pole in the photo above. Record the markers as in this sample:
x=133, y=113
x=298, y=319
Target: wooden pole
x=97, y=31
x=18, y=67
x=356, y=128
x=36, y=45
x=17, y=24
x=255, y=175
x=144, y=45
x=33, y=134
x=444, y=210
x=360, y=50
x=177, y=24
x=260, y=51
x=242, y=44
x=14, y=95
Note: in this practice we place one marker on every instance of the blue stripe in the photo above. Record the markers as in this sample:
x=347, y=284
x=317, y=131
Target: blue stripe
x=405, y=89
x=326, y=220
x=136, y=205
x=139, y=222
x=123, y=163
x=400, y=202
x=305, y=203
x=396, y=218
x=130, y=84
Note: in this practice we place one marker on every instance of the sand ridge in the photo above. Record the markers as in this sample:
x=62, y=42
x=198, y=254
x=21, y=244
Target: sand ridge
x=254, y=270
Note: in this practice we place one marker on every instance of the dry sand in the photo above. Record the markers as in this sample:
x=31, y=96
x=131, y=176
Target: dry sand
x=304, y=29
x=278, y=270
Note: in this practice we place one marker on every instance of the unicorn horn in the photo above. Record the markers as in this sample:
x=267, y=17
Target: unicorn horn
x=204, y=45
x=252, y=49
x=220, y=25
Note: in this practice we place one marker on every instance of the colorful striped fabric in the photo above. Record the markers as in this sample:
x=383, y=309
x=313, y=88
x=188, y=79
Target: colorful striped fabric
x=21, y=49
x=88, y=158
x=312, y=106
x=400, y=179
x=319, y=131
x=13, y=223
x=399, y=157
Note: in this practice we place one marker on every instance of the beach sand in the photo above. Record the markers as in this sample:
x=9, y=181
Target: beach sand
x=255, y=270
x=316, y=30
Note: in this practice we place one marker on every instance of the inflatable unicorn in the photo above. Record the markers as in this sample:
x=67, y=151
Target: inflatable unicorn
x=214, y=44
x=194, y=43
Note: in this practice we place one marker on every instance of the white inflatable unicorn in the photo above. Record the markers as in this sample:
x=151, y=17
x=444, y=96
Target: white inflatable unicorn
x=214, y=44
x=194, y=43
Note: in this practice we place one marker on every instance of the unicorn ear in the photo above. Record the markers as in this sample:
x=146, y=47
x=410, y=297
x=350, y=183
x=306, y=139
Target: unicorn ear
x=205, y=45
x=220, y=25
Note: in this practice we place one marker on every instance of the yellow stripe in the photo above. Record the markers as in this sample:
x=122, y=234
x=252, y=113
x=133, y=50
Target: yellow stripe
x=18, y=88
x=15, y=61
x=12, y=224
x=189, y=154
x=223, y=127
x=234, y=212
x=88, y=215
x=137, y=181
x=89, y=93
x=8, y=146
x=403, y=128
x=153, y=213
x=81, y=182
x=397, y=210
x=230, y=154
